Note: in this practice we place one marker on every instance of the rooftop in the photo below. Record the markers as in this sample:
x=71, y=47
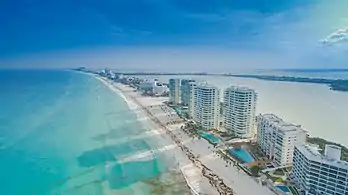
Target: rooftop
x=311, y=152
x=205, y=85
x=283, y=126
x=240, y=88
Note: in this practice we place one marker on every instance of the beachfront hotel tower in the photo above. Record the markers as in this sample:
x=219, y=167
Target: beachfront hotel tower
x=206, y=106
x=185, y=91
x=239, y=111
x=174, y=91
x=316, y=173
x=277, y=138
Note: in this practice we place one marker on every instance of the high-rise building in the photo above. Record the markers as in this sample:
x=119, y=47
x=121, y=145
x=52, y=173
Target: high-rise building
x=239, y=111
x=314, y=173
x=277, y=138
x=206, y=106
x=192, y=99
x=174, y=91
x=185, y=91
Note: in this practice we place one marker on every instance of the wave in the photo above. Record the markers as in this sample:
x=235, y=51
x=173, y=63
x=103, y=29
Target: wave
x=147, y=155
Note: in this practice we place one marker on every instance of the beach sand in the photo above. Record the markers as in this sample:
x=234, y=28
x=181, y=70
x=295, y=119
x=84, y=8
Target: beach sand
x=240, y=182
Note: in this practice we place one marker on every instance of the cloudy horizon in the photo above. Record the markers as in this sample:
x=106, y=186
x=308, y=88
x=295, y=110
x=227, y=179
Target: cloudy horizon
x=174, y=34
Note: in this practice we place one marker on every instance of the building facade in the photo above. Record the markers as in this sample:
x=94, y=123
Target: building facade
x=239, y=111
x=206, y=106
x=159, y=89
x=277, y=138
x=185, y=91
x=192, y=99
x=174, y=91
x=319, y=174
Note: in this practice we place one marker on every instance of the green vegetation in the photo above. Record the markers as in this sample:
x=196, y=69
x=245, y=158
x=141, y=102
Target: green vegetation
x=293, y=190
x=271, y=177
x=254, y=170
x=186, y=115
x=278, y=172
x=256, y=150
x=279, y=180
x=322, y=142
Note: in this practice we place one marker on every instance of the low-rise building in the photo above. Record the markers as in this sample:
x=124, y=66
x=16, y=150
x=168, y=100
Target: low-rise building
x=277, y=138
x=153, y=87
x=319, y=174
x=159, y=89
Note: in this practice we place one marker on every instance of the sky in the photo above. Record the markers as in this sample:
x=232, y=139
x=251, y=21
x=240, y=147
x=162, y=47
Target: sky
x=174, y=35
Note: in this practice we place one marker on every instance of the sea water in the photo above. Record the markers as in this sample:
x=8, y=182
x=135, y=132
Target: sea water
x=58, y=135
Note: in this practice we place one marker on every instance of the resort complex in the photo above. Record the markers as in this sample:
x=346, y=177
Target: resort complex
x=153, y=87
x=273, y=152
x=239, y=111
x=278, y=138
x=315, y=173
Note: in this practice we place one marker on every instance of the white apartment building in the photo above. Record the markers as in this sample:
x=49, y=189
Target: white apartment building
x=277, y=138
x=239, y=111
x=206, y=106
x=317, y=174
x=185, y=91
x=174, y=91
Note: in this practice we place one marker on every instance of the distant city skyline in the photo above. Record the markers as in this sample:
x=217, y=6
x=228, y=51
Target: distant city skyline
x=174, y=34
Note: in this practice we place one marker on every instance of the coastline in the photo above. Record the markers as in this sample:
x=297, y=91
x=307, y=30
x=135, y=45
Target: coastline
x=239, y=181
x=191, y=175
x=334, y=84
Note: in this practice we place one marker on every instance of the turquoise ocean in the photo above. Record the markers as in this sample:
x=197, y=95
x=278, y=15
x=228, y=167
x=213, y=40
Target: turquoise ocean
x=60, y=133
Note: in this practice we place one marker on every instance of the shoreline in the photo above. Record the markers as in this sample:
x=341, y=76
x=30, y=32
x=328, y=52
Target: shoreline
x=334, y=84
x=203, y=156
x=164, y=142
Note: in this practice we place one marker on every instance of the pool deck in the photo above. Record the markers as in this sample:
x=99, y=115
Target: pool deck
x=243, y=155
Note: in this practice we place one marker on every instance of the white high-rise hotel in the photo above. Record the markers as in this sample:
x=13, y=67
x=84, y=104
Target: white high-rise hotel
x=205, y=101
x=239, y=111
x=174, y=91
x=316, y=174
x=277, y=138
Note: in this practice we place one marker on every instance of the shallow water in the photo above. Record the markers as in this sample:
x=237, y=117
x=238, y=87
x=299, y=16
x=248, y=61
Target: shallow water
x=60, y=133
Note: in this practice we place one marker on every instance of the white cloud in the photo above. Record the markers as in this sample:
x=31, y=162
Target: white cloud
x=338, y=36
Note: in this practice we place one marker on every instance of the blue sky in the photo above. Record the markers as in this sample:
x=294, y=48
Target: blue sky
x=172, y=34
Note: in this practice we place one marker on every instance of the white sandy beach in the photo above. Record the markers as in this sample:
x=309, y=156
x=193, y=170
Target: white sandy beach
x=240, y=182
x=197, y=183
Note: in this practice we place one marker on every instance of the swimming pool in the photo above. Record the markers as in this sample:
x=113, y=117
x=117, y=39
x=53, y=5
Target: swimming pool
x=210, y=137
x=284, y=188
x=242, y=154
